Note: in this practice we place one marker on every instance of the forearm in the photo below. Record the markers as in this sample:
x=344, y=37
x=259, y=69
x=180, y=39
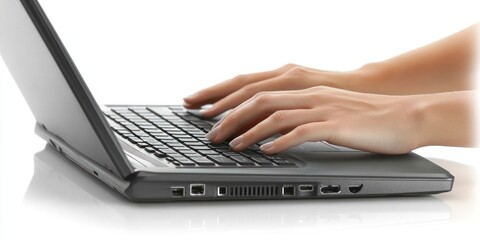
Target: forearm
x=445, y=119
x=445, y=65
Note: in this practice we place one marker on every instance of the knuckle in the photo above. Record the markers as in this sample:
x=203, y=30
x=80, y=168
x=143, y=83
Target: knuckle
x=261, y=98
x=296, y=72
x=230, y=119
x=250, y=89
x=289, y=66
x=242, y=78
x=302, y=130
x=279, y=116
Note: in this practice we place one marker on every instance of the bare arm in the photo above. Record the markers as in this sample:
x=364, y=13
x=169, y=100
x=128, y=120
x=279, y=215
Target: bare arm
x=445, y=65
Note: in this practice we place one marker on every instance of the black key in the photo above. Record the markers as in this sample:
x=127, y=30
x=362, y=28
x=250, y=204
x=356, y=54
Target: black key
x=160, y=154
x=134, y=140
x=221, y=160
x=150, y=149
x=193, y=155
x=203, y=161
x=189, y=140
x=181, y=148
x=185, y=161
x=169, y=151
x=243, y=160
x=208, y=152
x=142, y=145
x=187, y=151
x=262, y=161
x=140, y=134
x=284, y=162
x=200, y=147
x=128, y=135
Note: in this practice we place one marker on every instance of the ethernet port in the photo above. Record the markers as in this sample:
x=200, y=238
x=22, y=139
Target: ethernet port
x=222, y=191
x=178, y=191
x=197, y=189
x=288, y=190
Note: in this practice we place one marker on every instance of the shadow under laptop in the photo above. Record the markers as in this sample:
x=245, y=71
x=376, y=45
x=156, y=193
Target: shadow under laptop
x=60, y=187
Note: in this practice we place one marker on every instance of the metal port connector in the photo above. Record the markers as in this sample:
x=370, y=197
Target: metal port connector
x=178, y=191
x=197, y=189
x=222, y=191
x=288, y=190
x=330, y=189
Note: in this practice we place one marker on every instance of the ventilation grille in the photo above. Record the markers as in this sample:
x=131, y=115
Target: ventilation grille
x=254, y=191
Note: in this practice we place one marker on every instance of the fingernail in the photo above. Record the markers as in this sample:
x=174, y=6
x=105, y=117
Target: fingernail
x=266, y=146
x=203, y=111
x=213, y=133
x=235, y=142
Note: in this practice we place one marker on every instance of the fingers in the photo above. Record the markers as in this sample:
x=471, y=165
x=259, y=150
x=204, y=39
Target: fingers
x=276, y=123
x=262, y=104
x=223, y=89
x=311, y=132
x=235, y=99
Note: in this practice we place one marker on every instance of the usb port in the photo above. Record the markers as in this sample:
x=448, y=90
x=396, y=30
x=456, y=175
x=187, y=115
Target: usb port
x=222, y=191
x=178, y=191
x=305, y=188
x=288, y=190
x=197, y=189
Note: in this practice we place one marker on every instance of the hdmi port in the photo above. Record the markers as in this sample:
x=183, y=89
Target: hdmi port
x=330, y=189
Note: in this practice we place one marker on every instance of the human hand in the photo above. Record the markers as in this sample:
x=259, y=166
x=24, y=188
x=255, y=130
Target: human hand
x=370, y=122
x=231, y=93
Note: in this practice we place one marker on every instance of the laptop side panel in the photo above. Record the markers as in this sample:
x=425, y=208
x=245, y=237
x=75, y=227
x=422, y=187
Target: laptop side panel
x=52, y=86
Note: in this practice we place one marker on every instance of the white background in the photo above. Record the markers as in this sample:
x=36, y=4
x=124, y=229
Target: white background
x=142, y=52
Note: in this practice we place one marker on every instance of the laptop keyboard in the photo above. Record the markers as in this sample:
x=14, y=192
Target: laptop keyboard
x=174, y=135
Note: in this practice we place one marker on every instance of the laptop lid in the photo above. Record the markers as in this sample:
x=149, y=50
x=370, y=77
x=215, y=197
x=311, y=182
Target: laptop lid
x=52, y=86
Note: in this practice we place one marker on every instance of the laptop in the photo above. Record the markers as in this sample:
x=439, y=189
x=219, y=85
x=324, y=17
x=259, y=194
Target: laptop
x=159, y=153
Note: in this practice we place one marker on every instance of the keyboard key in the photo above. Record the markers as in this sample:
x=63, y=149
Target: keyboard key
x=243, y=160
x=149, y=149
x=134, y=140
x=160, y=154
x=203, y=161
x=284, y=162
x=208, y=152
x=143, y=145
x=262, y=161
x=221, y=160
x=185, y=161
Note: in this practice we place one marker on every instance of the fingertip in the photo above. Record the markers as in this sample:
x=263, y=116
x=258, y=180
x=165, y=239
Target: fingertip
x=190, y=98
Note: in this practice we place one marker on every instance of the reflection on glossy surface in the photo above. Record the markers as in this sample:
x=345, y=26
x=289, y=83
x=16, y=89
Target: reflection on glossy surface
x=61, y=187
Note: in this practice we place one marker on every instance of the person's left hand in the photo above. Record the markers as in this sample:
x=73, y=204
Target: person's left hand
x=370, y=122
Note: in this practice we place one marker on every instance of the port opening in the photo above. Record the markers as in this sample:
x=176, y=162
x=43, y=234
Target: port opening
x=95, y=173
x=197, y=189
x=178, y=191
x=288, y=190
x=330, y=189
x=305, y=188
x=355, y=188
x=222, y=191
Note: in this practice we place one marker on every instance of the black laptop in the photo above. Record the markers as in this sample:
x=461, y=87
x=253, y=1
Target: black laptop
x=160, y=153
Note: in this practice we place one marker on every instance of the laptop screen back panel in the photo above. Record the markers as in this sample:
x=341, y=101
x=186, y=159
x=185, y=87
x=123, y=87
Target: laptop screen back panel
x=53, y=87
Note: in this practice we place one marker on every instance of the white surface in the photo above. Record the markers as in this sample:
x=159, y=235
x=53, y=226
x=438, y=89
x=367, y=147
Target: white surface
x=160, y=51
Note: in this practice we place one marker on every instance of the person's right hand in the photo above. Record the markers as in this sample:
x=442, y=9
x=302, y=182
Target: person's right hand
x=231, y=93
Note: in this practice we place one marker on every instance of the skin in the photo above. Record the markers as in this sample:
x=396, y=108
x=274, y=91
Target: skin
x=422, y=97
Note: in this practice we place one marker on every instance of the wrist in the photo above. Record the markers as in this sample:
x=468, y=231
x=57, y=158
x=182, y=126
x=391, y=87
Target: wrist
x=444, y=119
x=364, y=79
